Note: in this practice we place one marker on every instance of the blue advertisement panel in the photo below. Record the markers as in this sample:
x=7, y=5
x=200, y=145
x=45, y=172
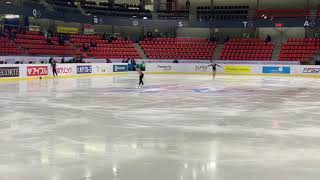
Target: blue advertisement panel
x=120, y=68
x=275, y=70
x=84, y=69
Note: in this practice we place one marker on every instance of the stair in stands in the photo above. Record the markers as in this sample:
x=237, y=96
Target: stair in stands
x=140, y=51
x=218, y=51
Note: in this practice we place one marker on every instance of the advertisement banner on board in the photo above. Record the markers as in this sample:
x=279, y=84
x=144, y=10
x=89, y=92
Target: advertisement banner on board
x=202, y=68
x=276, y=70
x=165, y=68
x=238, y=69
x=84, y=69
x=311, y=70
x=120, y=68
x=65, y=70
x=37, y=70
x=9, y=72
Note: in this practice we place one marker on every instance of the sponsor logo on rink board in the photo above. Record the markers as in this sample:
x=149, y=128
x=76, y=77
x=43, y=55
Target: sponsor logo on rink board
x=275, y=70
x=165, y=67
x=84, y=69
x=101, y=69
x=120, y=68
x=9, y=71
x=201, y=68
x=37, y=70
x=311, y=70
x=237, y=69
x=64, y=70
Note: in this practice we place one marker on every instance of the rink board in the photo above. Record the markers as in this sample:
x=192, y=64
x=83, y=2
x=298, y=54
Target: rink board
x=235, y=69
x=33, y=71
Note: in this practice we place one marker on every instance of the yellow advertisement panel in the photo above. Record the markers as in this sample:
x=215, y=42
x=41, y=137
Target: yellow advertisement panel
x=237, y=69
x=69, y=30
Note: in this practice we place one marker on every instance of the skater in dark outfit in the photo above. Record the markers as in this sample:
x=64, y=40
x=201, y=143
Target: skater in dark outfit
x=53, y=66
x=141, y=76
x=214, y=68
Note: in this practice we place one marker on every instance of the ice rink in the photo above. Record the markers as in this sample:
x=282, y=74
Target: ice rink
x=178, y=127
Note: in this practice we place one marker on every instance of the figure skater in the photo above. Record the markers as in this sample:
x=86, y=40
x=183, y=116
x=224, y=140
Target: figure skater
x=141, y=76
x=214, y=68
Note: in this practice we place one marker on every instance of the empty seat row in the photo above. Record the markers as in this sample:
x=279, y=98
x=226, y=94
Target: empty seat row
x=266, y=51
x=179, y=57
x=247, y=49
x=28, y=41
x=303, y=40
x=10, y=51
x=178, y=50
x=35, y=46
x=86, y=37
x=245, y=58
x=177, y=39
x=111, y=49
x=301, y=49
x=54, y=52
x=248, y=43
x=115, y=56
x=33, y=37
x=175, y=43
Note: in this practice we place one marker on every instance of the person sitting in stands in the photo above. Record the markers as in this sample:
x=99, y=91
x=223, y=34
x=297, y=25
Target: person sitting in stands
x=268, y=39
x=85, y=48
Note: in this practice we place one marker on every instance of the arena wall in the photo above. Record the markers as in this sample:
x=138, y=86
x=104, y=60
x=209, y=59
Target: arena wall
x=235, y=69
x=33, y=71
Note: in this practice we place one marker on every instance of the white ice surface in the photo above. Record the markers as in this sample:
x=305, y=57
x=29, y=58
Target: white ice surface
x=175, y=128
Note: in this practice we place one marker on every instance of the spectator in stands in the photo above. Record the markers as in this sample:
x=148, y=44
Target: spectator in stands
x=85, y=48
x=49, y=42
x=14, y=34
x=188, y=5
x=227, y=39
x=125, y=61
x=62, y=60
x=175, y=61
x=61, y=40
x=213, y=38
x=81, y=58
x=93, y=44
x=105, y=37
x=110, y=40
x=268, y=39
x=108, y=61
